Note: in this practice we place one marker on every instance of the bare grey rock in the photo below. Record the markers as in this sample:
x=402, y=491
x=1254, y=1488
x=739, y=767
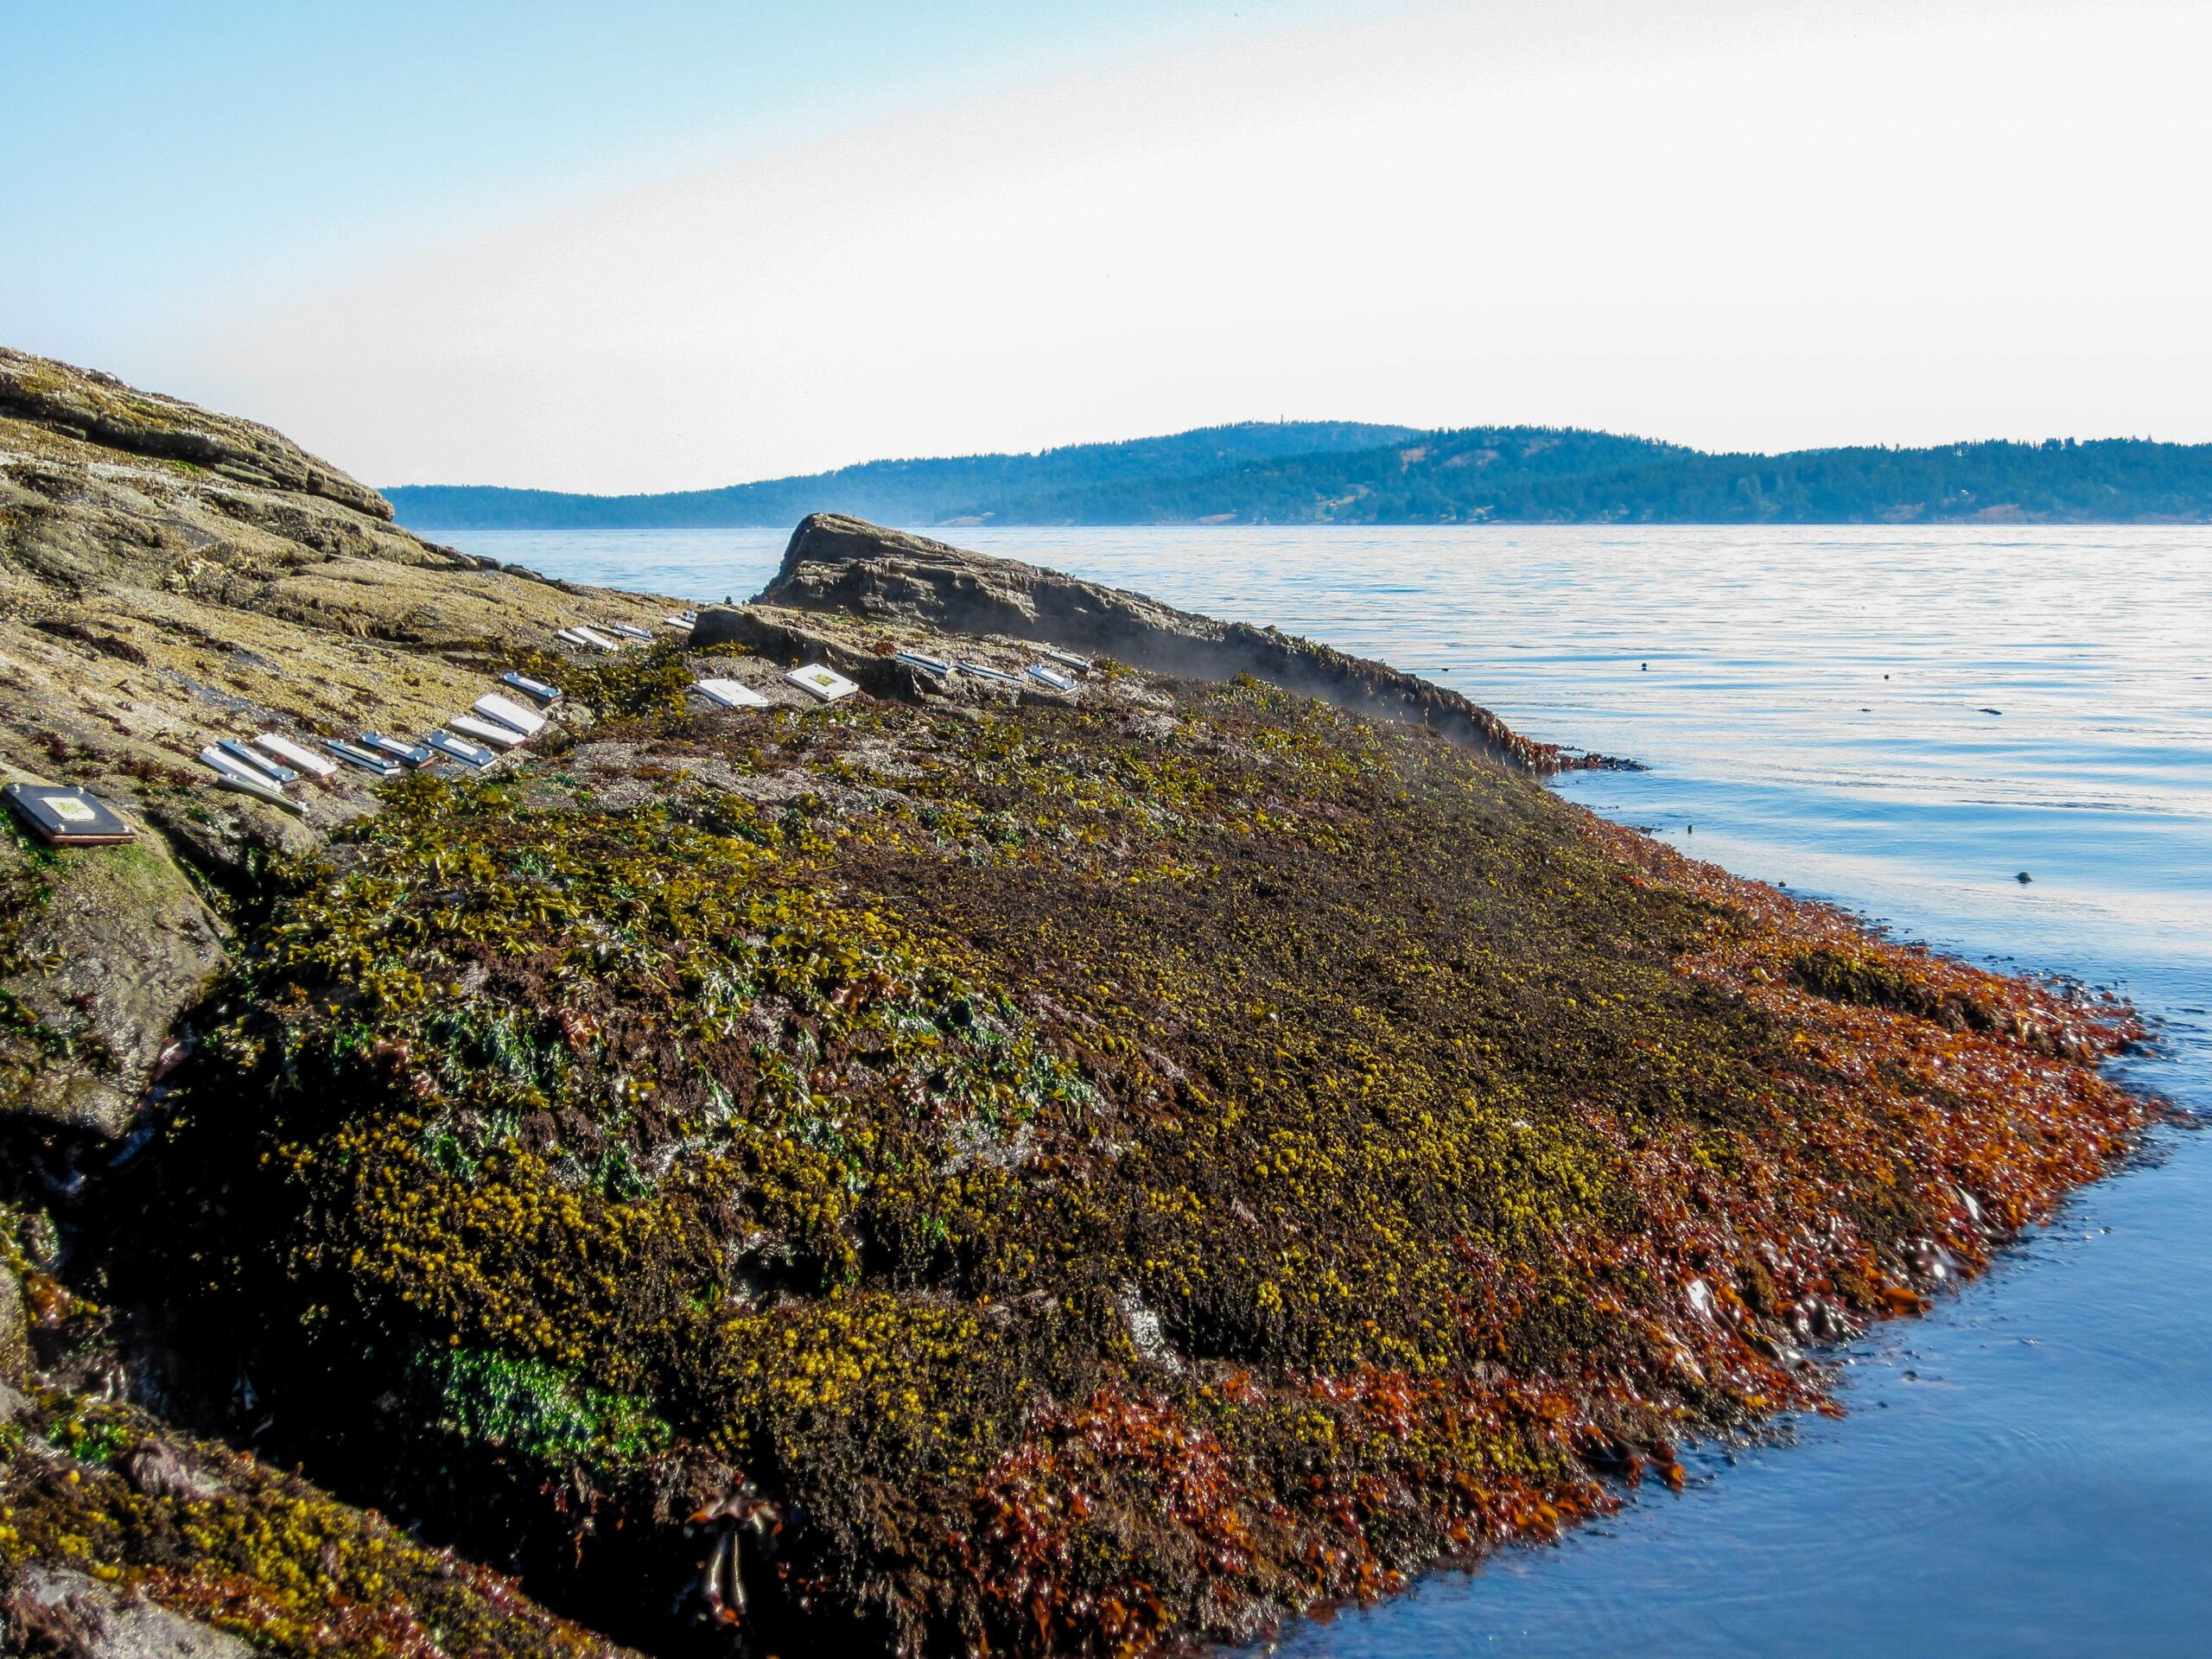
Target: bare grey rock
x=69, y=1615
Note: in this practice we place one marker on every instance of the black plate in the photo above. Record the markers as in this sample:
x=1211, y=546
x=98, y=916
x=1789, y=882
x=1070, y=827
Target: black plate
x=66, y=817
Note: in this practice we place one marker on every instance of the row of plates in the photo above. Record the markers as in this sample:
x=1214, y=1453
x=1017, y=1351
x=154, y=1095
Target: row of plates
x=265, y=766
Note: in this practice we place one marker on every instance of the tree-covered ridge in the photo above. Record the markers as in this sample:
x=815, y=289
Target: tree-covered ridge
x=898, y=491
x=1316, y=473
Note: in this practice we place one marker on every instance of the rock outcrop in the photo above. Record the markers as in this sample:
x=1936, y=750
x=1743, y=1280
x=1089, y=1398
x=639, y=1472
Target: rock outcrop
x=169, y=576
x=849, y=568
x=99, y=409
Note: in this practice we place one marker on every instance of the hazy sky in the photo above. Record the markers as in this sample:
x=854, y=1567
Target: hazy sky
x=660, y=246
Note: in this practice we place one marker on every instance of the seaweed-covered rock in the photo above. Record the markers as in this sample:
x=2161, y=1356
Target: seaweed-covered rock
x=121, y=1540
x=1068, y=1175
x=983, y=1165
x=55, y=1613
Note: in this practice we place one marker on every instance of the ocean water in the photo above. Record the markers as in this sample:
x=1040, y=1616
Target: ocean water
x=1903, y=722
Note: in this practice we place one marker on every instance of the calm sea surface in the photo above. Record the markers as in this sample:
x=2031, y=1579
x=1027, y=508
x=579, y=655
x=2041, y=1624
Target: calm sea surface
x=1900, y=721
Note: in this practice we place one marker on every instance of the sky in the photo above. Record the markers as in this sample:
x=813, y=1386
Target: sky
x=663, y=246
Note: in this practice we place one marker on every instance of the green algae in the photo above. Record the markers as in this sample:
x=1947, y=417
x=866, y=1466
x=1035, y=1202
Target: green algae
x=533, y=1408
x=631, y=683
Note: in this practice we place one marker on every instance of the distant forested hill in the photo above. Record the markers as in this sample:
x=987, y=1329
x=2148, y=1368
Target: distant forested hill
x=1317, y=472
x=895, y=492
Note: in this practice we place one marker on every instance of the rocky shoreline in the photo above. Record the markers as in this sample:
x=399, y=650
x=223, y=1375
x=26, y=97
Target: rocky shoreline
x=1069, y=1164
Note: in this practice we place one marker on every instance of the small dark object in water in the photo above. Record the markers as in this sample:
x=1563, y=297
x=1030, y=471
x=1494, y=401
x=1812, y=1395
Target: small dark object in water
x=1690, y=829
x=1644, y=668
x=1992, y=711
x=67, y=817
x=2024, y=878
